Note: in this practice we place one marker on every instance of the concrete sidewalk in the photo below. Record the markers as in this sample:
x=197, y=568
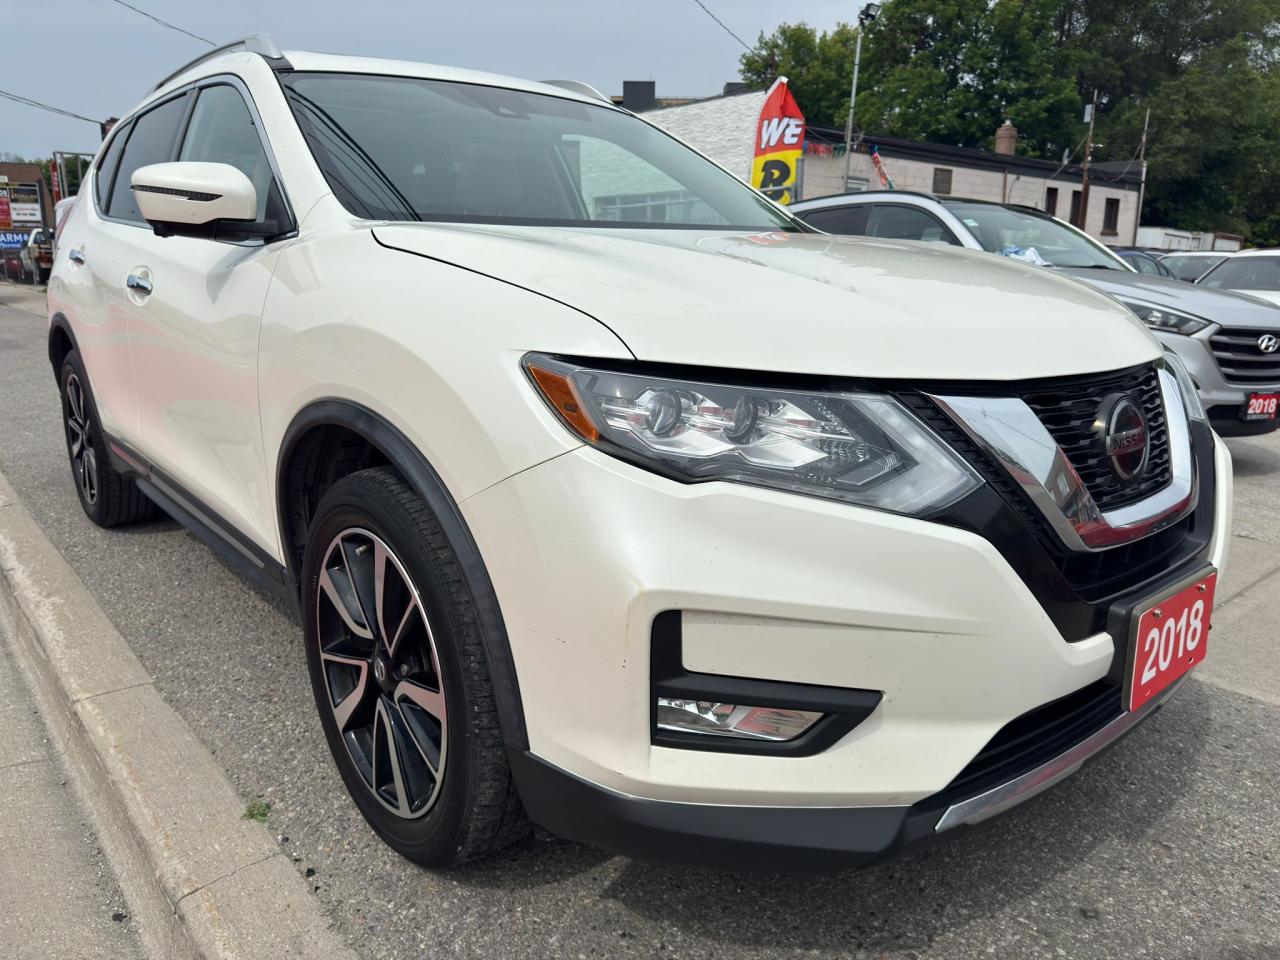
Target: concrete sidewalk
x=60, y=897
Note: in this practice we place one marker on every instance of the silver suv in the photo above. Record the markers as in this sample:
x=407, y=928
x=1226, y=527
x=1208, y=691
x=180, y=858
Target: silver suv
x=1229, y=342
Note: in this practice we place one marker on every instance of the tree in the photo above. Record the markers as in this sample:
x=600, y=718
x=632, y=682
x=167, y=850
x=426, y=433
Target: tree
x=952, y=71
x=818, y=68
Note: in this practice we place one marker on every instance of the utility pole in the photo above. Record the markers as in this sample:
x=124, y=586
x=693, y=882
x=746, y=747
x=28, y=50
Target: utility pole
x=868, y=13
x=1088, y=152
x=1142, y=186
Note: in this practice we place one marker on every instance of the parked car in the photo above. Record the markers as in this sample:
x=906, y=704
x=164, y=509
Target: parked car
x=36, y=256
x=1190, y=265
x=1225, y=340
x=675, y=527
x=1252, y=272
x=1143, y=261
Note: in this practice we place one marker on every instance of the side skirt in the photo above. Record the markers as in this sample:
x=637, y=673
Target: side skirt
x=232, y=547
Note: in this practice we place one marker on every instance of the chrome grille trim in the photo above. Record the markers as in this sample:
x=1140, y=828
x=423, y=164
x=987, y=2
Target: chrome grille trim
x=1241, y=361
x=1011, y=433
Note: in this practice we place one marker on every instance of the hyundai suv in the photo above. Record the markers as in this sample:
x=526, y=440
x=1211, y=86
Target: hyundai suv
x=611, y=497
x=1227, y=341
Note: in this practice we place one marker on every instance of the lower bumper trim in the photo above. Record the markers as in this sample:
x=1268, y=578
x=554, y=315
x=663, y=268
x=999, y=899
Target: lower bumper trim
x=759, y=838
x=998, y=799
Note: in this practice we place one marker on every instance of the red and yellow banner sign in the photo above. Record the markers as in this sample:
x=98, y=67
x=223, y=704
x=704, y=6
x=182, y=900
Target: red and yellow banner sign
x=779, y=144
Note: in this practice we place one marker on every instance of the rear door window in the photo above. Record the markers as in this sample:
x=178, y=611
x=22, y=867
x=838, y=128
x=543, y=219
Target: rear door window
x=894, y=222
x=850, y=220
x=151, y=140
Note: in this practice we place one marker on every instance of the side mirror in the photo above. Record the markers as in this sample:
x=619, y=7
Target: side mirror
x=191, y=198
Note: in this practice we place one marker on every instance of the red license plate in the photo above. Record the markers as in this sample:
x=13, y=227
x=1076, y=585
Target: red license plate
x=1170, y=639
x=1261, y=406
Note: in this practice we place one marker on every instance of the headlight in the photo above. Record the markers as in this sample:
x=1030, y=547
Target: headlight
x=1190, y=397
x=861, y=448
x=1165, y=319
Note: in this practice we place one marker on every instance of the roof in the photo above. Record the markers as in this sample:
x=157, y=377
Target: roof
x=338, y=63
x=1120, y=173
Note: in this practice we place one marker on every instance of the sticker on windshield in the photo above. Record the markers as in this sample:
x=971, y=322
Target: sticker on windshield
x=970, y=223
x=1025, y=254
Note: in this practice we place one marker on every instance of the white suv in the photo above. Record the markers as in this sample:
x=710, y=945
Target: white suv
x=610, y=496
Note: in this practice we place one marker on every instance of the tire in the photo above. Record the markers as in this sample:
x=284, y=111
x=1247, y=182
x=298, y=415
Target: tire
x=109, y=498
x=418, y=679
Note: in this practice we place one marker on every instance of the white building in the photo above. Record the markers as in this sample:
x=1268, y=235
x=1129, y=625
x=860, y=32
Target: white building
x=724, y=129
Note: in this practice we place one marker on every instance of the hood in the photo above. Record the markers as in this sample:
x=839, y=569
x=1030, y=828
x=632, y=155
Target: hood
x=803, y=303
x=1270, y=297
x=1228, y=308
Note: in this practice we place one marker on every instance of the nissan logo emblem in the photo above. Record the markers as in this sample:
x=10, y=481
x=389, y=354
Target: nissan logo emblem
x=1268, y=343
x=1125, y=438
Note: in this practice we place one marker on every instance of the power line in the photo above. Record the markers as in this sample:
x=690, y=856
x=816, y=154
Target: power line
x=27, y=101
x=713, y=17
x=166, y=23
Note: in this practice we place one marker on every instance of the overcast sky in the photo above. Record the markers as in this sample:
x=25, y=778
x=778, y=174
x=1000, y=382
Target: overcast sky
x=98, y=59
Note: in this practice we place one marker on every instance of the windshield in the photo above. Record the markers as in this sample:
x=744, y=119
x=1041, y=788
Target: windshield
x=1188, y=268
x=1030, y=236
x=1245, y=273
x=398, y=148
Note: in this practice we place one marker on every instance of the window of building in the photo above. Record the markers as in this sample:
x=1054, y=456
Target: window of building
x=1111, y=217
x=942, y=180
x=1075, y=207
x=855, y=184
x=1051, y=201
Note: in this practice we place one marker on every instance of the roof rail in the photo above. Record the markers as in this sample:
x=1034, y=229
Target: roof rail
x=577, y=86
x=259, y=43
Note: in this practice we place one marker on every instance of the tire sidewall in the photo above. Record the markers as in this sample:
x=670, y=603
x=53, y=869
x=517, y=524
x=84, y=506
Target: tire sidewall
x=72, y=364
x=435, y=835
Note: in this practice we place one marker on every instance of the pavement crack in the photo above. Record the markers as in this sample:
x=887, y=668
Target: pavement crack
x=103, y=693
x=23, y=763
x=225, y=876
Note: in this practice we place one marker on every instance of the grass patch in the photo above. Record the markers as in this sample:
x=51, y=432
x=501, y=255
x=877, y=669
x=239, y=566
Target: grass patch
x=257, y=810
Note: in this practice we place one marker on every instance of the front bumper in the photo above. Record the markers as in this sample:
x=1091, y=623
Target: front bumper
x=585, y=551
x=1222, y=401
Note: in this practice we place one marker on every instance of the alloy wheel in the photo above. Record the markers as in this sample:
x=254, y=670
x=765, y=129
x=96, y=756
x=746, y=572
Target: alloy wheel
x=382, y=672
x=84, y=459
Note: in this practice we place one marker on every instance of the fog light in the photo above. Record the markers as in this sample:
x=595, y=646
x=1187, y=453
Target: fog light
x=733, y=720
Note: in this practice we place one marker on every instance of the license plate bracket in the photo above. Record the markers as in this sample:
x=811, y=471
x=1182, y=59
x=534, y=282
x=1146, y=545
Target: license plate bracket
x=1260, y=406
x=1167, y=635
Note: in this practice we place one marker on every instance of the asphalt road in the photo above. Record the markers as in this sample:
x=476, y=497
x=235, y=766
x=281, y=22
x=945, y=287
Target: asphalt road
x=1167, y=847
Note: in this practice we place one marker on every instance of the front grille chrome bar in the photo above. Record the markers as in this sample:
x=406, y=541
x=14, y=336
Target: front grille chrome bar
x=1009, y=431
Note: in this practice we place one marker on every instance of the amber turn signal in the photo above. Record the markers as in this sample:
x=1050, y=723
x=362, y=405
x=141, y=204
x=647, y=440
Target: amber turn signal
x=563, y=396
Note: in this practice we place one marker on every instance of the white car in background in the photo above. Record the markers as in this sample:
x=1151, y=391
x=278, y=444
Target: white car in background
x=610, y=495
x=1190, y=265
x=1252, y=272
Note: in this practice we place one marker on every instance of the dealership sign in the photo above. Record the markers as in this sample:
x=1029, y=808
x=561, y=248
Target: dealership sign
x=19, y=205
x=779, y=144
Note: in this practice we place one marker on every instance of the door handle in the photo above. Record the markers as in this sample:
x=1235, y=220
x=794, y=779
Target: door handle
x=135, y=282
x=75, y=256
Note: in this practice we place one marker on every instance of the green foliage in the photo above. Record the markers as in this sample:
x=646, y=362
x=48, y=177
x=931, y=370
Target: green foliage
x=951, y=71
x=256, y=810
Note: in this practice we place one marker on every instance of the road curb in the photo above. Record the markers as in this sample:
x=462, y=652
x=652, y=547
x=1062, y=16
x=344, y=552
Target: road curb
x=202, y=882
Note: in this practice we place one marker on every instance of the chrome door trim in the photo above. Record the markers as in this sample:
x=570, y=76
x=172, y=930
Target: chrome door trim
x=1009, y=432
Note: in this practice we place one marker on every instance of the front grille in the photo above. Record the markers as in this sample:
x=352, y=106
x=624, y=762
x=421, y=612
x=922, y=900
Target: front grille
x=1035, y=738
x=1069, y=410
x=1240, y=358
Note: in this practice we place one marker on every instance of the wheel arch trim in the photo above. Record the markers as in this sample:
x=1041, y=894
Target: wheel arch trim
x=59, y=324
x=418, y=472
